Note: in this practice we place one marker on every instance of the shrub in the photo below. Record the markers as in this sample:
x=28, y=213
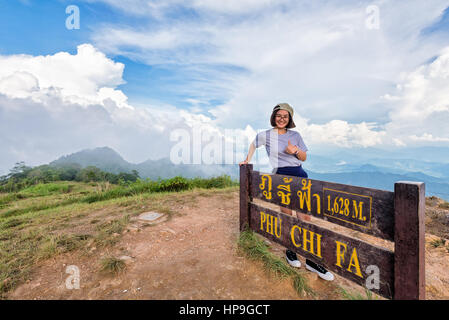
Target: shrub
x=46, y=189
x=222, y=181
x=112, y=265
x=438, y=243
x=175, y=184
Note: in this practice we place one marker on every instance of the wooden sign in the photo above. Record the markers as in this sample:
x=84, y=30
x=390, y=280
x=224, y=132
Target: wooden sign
x=396, y=216
x=367, y=210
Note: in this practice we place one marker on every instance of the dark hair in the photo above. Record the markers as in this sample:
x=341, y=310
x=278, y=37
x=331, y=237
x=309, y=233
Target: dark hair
x=273, y=119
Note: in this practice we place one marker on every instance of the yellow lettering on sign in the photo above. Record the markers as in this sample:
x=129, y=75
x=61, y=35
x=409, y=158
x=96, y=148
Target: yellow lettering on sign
x=309, y=242
x=348, y=207
x=292, y=234
x=266, y=178
x=354, y=262
x=276, y=227
x=263, y=218
x=271, y=222
x=340, y=253
x=304, y=194
x=318, y=203
x=358, y=211
x=318, y=245
x=306, y=241
x=285, y=196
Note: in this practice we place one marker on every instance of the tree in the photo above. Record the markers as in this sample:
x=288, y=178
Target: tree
x=135, y=173
x=20, y=170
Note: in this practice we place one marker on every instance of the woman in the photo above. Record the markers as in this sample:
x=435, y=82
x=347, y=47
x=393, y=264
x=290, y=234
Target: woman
x=286, y=151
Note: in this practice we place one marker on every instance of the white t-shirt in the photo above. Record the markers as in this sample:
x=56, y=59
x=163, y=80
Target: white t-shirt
x=275, y=144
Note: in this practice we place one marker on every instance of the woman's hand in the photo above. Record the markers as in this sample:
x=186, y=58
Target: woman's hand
x=252, y=148
x=291, y=149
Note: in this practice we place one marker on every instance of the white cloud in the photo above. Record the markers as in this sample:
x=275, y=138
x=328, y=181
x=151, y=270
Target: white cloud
x=420, y=110
x=343, y=134
x=62, y=103
x=236, y=6
x=87, y=77
x=44, y=115
x=426, y=137
x=20, y=84
x=160, y=8
x=320, y=58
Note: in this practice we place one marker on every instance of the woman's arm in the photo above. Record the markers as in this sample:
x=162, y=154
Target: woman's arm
x=252, y=148
x=294, y=150
x=301, y=155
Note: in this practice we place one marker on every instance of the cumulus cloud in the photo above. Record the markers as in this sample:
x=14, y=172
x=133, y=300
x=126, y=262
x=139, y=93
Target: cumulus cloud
x=420, y=110
x=60, y=104
x=343, y=134
x=20, y=84
x=320, y=58
x=87, y=77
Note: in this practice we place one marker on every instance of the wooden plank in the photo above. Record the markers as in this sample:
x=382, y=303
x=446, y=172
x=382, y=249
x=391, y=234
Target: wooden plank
x=245, y=194
x=409, y=241
x=366, y=210
x=346, y=256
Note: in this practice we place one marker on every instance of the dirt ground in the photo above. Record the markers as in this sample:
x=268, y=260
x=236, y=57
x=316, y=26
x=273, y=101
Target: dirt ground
x=193, y=255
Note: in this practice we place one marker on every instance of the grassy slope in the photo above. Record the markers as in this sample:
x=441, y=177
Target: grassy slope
x=44, y=220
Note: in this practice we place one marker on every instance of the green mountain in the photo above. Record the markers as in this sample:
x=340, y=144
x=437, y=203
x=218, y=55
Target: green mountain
x=109, y=160
x=103, y=158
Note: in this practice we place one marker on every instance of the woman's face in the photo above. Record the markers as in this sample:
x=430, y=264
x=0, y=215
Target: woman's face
x=282, y=118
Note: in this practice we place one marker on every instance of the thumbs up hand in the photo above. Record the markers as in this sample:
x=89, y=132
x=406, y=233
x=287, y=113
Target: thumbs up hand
x=291, y=149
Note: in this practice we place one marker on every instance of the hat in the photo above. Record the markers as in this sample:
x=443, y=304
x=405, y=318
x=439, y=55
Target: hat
x=286, y=107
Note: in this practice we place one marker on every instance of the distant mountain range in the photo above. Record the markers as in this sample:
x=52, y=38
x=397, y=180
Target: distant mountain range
x=428, y=160
x=353, y=168
x=109, y=160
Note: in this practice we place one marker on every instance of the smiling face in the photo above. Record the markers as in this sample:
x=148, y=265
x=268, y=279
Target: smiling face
x=282, y=118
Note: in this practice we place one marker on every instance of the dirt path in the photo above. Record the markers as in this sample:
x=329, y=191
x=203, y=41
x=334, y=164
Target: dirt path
x=191, y=256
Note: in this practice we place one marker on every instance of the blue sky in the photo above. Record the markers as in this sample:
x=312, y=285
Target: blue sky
x=38, y=28
x=143, y=68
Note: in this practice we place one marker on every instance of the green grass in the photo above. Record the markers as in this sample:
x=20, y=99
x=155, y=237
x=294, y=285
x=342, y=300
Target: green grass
x=112, y=265
x=438, y=243
x=45, y=220
x=11, y=223
x=107, y=232
x=53, y=195
x=7, y=198
x=45, y=189
x=61, y=243
x=357, y=296
x=257, y=250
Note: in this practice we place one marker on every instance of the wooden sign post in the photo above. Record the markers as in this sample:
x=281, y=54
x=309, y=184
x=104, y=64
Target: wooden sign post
x=395, y=216
x=409, y=240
